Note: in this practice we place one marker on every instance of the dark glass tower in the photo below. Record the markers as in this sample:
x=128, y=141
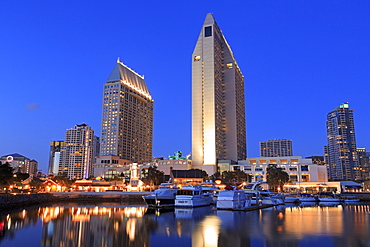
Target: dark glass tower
x=341, y=153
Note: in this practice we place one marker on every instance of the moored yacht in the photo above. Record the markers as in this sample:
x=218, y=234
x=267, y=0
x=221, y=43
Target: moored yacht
x=192, y=196
x=164, y=196
x=233, y=199
x=260, y=196
x=307, y=197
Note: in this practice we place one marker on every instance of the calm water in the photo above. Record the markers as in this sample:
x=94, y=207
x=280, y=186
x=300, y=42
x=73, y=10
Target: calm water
x=128, y=225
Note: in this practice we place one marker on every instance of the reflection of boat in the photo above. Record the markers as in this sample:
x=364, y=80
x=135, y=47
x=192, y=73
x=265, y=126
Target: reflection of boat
x=233, y=199
x=164, y=196
x=308, y=204
x=328, y=204
x=192, y=196
x=192, y=213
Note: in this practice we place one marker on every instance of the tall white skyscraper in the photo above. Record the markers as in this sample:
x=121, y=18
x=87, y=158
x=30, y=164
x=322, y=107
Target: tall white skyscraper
x=218, y=105
x=77, y=154
x=127, y=117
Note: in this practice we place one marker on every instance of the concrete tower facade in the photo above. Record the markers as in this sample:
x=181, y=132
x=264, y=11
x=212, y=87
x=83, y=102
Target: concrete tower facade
x=218, y=105
x=341, y=153
x=127, y=117
x=77, y=155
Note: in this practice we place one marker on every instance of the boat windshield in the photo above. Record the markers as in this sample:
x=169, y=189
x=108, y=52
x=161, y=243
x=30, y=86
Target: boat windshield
x=167, y=186
x=188, y=192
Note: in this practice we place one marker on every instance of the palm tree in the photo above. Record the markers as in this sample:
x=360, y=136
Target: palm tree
x=276, y=176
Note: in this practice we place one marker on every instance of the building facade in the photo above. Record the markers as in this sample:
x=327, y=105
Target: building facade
x=340, y=153
x=127, y=117
x=276, y=148
x=299, y=169
x=364, y=163
x=54, y=156
x=218, y=105
x=77, y=156
x=111, y=166
x=20, y=163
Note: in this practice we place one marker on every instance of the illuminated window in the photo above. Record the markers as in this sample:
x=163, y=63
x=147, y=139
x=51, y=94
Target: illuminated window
x=294, y=161
x=262, y=162
x=196, y=58
x=252, y=162
x=229, y=65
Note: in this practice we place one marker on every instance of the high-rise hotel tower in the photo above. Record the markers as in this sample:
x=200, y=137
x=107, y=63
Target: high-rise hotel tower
x=127, y=117
x=218, y=107
x=341, y=152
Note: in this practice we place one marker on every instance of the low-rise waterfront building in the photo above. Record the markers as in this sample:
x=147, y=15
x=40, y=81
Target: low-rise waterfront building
x=299, y=169
x=111, y=166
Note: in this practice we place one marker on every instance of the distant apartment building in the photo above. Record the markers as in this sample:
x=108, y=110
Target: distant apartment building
x=20, y=163
x=276, y=148
x=364, y=163
x=319, y=160
x=32, y=169
x=77, y=156
x=96, y=148
x=298, y=169
x=54, y=156
x=340, y=152
x=127, y=116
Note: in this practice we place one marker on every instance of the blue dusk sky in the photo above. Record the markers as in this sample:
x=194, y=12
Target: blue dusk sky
x=300, y=60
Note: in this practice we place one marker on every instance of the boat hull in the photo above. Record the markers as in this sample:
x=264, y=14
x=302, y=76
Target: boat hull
x=159, y=202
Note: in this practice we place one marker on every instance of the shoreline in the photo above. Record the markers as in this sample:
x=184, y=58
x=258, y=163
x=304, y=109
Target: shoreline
x=9, y=201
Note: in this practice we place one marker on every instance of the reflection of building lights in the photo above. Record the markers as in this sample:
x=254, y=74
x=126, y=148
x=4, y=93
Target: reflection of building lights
x=280, y=215
x=211, y=229
x=130, y=228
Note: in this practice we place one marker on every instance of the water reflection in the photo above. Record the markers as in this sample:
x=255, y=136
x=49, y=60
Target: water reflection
x=119, y=225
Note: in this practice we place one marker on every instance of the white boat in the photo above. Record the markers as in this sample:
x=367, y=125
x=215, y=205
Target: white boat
x=329, y=199
x=210, y=188
x=261, y=197
x=192, y=196
x=164, y=196
x=233, y=199
x=291, y=199
x=307, y=198
x=349, y=199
